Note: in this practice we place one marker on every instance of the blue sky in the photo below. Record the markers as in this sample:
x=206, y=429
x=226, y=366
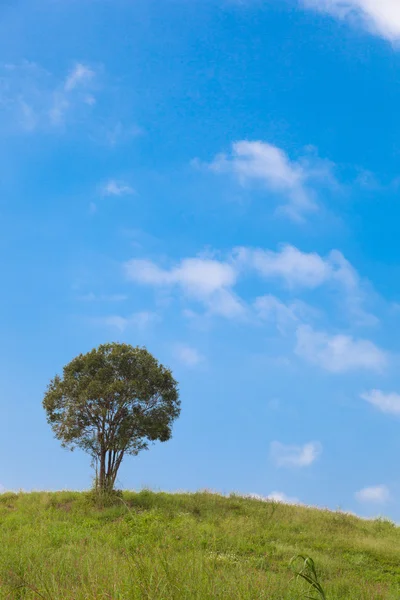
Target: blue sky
x=219, y=181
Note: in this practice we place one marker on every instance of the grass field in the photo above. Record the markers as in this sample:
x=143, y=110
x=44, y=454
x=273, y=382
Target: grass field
x=61, y=546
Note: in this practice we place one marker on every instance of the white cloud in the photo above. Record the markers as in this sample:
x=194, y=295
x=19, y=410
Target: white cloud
x=294, y=456
x=203, y=279
x=140, y=320
x=378, y=494
x=262, y=162
x=212, y=282
x=117, y=188
x=338, y=353
x=199, y=276
x=379, y=16
x=387, y=403
x=188, y=355
x=295, y=268
x=283, y=498
x=273, y=497
x=298, y=269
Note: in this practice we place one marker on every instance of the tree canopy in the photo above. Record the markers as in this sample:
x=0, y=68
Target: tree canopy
x=111, y=402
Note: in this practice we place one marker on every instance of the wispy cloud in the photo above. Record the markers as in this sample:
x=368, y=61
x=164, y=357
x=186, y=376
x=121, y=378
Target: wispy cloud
x=79, y=75
x=118, y=132
x=33, y=98
x=115, y=322
x=378, y=494
x=92, y=297
x=270, y=308
x=139, y=320
x=114, y=187
x=295, y=181
x=338, y=353
x=295, y=456
x=72, y=93
x=387, y=403
x=381, y=17
x=188, y=355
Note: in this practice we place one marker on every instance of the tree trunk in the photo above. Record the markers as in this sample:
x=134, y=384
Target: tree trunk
x=116, y=466
x=102, y=474
x=107, y=486
x=110, y=461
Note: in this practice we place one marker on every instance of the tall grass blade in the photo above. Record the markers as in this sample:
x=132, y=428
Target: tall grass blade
x=308, y=573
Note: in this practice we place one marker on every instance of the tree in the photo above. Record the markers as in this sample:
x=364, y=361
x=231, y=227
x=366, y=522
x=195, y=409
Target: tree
x=111, y=402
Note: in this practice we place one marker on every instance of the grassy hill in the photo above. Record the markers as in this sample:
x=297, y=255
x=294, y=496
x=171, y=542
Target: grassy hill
x=60, y=546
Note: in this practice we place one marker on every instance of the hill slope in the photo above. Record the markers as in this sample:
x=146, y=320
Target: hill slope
x=58, y=546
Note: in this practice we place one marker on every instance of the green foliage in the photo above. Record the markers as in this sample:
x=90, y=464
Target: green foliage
x=112, y=402
x=103, y=498
x=147, y=546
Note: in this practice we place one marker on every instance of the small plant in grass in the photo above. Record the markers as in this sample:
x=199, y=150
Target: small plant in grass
x=308, y=573
x=103, y=498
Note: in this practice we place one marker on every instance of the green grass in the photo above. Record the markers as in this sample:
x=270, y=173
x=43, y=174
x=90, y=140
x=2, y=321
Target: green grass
x=59, y=546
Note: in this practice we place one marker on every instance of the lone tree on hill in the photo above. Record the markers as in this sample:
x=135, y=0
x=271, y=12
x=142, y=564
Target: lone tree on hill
x=112, y=402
